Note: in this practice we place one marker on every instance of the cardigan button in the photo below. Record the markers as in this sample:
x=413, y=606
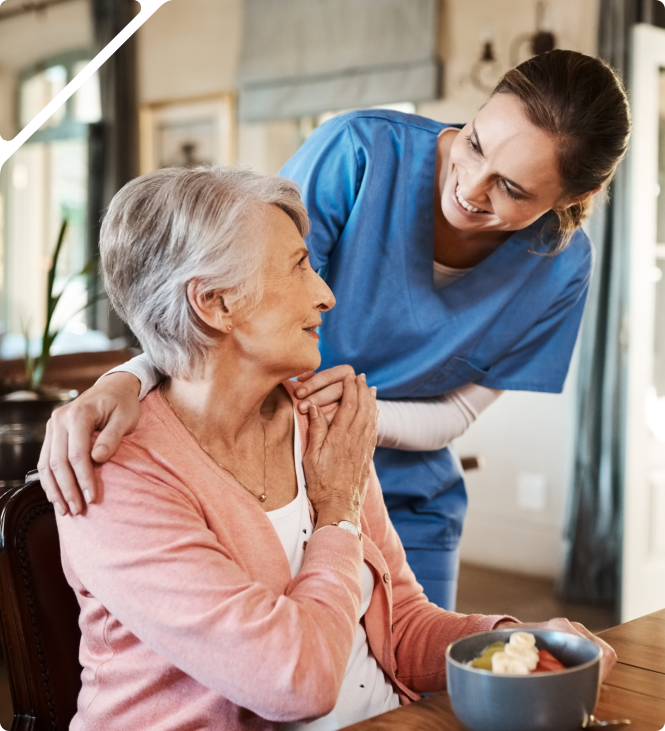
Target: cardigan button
x=386, y=578
x=304, y=545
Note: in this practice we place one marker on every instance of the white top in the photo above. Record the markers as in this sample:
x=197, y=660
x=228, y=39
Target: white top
x=426, y=424
x=444, y=276
x=365, y=690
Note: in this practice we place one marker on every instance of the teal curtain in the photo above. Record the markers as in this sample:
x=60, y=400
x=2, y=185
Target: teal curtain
x=593, y=531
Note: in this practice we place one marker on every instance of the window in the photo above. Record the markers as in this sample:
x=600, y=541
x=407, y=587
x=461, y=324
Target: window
x=46, y=181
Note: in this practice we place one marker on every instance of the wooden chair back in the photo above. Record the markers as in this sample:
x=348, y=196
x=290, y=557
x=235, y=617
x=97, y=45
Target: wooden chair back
x=39, y=614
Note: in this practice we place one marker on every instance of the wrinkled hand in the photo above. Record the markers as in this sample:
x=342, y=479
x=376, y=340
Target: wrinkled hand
x=338, y=458
x=323, y=389
x=607, y=661
x=65, y=463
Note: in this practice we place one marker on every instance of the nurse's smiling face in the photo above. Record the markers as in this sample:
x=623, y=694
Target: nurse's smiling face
x=503, y=171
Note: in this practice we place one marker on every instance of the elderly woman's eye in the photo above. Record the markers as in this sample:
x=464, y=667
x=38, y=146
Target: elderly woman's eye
x=303, y=260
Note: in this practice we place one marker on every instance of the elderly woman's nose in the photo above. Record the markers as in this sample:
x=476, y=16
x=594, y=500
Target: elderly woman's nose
x=325, y=299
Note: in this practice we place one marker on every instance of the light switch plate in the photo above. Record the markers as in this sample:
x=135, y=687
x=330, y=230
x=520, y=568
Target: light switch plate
x=532, y=492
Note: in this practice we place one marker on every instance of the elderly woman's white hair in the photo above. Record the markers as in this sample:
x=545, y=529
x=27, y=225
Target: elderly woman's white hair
x=172, y=226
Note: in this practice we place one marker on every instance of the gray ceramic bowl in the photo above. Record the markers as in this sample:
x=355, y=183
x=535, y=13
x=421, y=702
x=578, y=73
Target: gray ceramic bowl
x=558, y=701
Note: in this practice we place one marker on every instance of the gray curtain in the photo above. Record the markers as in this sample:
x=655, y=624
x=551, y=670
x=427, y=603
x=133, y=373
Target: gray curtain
x=305, y=57
x=593, y=532
x=114, y=144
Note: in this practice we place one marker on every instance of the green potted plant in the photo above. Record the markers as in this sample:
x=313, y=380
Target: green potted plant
x=26, y=404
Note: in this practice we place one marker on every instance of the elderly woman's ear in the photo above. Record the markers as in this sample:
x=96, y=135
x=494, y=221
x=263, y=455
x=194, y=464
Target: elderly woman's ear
x=210, y=306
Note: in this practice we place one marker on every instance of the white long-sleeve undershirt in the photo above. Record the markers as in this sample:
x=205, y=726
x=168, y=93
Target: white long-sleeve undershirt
x=428, y=424
x=409, y=425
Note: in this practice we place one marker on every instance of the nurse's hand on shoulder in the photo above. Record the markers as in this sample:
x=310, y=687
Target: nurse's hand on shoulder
x=338, y=459
x=324, y=389
x=65, y=466
x=609, y=658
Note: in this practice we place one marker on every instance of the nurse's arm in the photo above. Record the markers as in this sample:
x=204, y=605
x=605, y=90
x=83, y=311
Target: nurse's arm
x=110, y=407
x=430, y=424
x=410, y=425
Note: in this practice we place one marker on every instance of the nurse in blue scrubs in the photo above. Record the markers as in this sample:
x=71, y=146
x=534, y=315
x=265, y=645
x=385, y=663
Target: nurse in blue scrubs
x=459, y=269
x=392, y=195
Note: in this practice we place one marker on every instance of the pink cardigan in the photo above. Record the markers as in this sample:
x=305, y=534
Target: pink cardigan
x=190, y=618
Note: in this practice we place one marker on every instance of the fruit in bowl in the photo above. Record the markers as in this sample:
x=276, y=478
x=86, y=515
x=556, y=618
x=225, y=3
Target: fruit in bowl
x=515, y=696
x=518, y=656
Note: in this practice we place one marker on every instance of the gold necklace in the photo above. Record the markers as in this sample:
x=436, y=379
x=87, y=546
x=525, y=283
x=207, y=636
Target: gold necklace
x=261, y=498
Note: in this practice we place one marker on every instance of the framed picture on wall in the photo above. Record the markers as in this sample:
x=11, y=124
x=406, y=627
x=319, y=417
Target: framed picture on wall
x=188, y=132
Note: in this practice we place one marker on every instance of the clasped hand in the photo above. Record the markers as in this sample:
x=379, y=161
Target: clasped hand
x=339, y=455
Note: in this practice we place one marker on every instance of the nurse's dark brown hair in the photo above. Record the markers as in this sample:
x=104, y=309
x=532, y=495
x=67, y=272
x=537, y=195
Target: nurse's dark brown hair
x=581, y=102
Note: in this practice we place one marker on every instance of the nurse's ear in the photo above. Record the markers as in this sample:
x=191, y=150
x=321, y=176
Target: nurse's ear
x=211, y=306
x=570, y=201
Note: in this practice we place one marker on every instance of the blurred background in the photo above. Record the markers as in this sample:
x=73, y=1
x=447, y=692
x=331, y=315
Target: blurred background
x=567, y=507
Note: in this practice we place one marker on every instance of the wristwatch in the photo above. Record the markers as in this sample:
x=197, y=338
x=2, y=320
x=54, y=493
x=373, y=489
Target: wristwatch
x=348, y=525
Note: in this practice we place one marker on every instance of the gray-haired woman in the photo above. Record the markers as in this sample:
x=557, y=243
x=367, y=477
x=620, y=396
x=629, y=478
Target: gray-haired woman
x=221, y=578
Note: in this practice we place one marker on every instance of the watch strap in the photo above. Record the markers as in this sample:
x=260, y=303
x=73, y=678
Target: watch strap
x=347, y=525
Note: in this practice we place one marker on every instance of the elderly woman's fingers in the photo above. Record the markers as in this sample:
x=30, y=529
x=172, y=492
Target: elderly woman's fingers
x=49, y=485
x=329, y=411
x=322, y=379
x=318, y=429
x=366, y=405
x=609, y=659
x=367, y=420
x=371, y=430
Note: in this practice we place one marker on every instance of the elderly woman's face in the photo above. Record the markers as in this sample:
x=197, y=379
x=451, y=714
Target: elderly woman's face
x=282, y=329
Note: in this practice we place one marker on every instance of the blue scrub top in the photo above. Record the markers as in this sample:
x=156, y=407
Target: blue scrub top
x=367, y=180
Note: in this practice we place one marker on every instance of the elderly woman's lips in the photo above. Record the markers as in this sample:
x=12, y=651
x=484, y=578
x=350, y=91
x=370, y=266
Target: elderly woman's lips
x=312, y=331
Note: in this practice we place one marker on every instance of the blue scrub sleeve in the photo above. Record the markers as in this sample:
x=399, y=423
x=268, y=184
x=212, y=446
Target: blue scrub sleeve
x=540, y=361
x=328, y=169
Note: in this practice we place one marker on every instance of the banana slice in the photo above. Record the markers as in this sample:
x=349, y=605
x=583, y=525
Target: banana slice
x=522, y=639
x=528, y=656
x=504, y=664
x=484, y=662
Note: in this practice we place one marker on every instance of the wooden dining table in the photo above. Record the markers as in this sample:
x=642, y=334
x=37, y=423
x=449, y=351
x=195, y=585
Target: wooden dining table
x=635, y=688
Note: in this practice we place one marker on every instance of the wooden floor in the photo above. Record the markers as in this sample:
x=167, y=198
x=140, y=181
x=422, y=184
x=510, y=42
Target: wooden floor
x=488, y=591
x=480, y=590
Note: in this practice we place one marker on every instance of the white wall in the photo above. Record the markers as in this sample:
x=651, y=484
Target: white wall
x=522, y=435
x=466, y=25
x=189, y=48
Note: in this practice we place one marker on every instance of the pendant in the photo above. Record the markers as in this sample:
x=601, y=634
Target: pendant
x=263, y=498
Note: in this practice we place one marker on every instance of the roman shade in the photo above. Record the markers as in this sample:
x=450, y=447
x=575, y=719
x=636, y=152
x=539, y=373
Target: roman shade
x=305, y=57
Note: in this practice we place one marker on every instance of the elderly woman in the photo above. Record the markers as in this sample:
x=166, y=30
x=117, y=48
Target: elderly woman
x=240, y=570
